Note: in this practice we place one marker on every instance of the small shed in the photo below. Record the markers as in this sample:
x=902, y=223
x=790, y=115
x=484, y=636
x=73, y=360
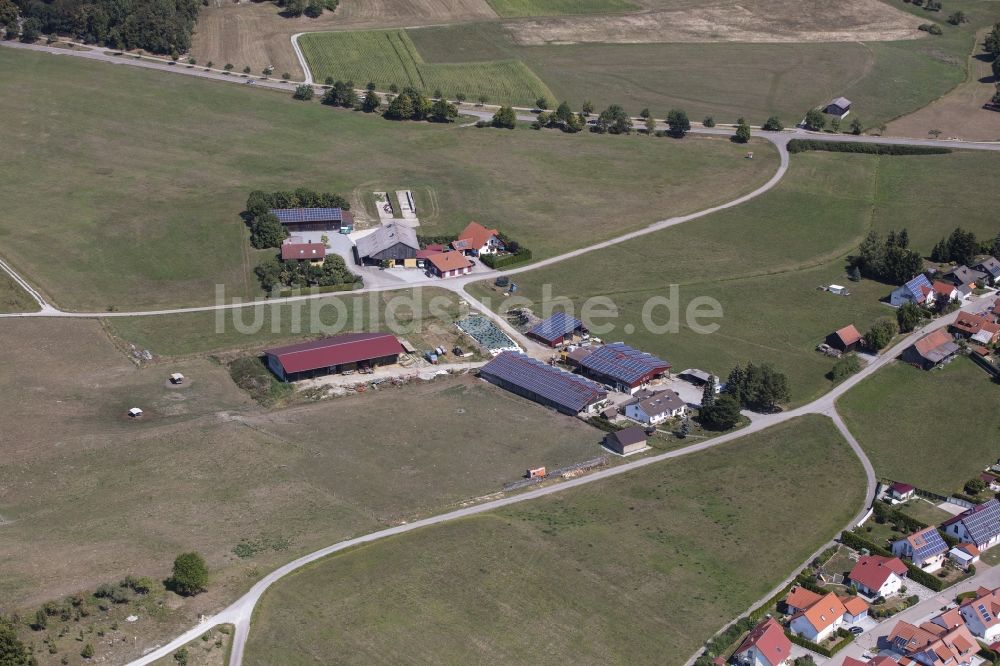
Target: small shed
x=846, y=339
x=176, y=378
x=964, y=555
x=626, y=441
x=839, y=107
x=901, y=491
x=135, y=412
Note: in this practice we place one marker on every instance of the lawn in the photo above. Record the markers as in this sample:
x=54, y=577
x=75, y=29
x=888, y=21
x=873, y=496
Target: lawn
x=934, y=430
x=13, y=298
x=763, y=261
x=925, y=512
x=507, y=8
x=94, y=496
x=388, y=57
x=669, y=553
x=143, y=205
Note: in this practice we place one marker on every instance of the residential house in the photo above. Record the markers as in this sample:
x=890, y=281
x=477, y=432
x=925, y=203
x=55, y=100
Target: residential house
x=877, y=576
x=945, y=291
x=655, y=408
x=296, y=248
x=392, y=243
x=964, y=555
x=476, y=239
x=931, y=350
x=766, y=645
x=901, y=491
x=449, y=264
x=925, y=548
x=963, y=275
x=915, y=291
x=623, y=368
x=626, y=441
x=976, y=327
x=819, y=621
x=991, y=267
x=991, y=480
x=839, y=107
x=557, y=329
x=980, y=614
x=846, y=339
x=979, y=525
x=799, y=599
x=933, y=645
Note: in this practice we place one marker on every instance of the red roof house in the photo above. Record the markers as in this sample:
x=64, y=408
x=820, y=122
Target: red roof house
x=301, y=251
x=449, y=264
x=878, y=576
x=766, y=644
x=477, y=238
x=332, y=355
x=901, y=491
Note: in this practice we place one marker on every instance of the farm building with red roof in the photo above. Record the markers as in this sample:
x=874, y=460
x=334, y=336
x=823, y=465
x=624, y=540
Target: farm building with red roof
x=328, y=356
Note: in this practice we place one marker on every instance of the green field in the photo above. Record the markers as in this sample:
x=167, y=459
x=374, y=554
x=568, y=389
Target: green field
x=13, y=298
x=729, y=80
x=764, y=260
x=389, y=57
x=143, y=205
x=935, y=430
x=508, y=8
x=623, y=571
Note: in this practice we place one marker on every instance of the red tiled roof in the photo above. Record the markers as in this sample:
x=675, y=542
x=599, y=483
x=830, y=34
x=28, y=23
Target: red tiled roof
x=477, y=235
x=436, y=247
x=770, y=640
x=943, y=288
x=971, y=324
x=851, y=661
x=291, y=251
x=825, y=612
x=338, y=350
x=873, y=571
x=854, y=605
x=449, y=261
x=932, y=341
x=427, y=254
x=848, y=335
x=801, y=598
x=901, y=488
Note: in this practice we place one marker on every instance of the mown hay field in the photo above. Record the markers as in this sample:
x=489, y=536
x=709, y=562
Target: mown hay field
x=511, y=8
x=387, y=57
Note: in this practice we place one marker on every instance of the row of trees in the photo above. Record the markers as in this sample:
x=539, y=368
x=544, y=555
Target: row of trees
x=159, y=26
x=886, y=259
x=815, y=121
x=310, y=8
x=265, y=229
x=962, y=247
x=276, y=274
x=411, y=104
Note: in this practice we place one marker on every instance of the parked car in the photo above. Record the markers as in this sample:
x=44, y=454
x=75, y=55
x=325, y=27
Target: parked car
x=856, y=630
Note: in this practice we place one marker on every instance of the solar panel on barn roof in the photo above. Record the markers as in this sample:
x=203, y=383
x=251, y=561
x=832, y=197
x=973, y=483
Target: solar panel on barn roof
x=296, y=215
x=983, y=522
x=623, y=363
x=563, y=388
x=557, y=326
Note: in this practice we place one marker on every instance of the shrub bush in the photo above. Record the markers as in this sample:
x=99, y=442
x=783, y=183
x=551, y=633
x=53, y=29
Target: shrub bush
x=802, y=145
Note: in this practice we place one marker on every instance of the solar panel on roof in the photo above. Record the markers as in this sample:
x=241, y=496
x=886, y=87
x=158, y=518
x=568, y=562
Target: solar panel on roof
x=623, y=363
x=557, y=326
x=568, y=390
x=296, y=215
x=928, y=545
x=983, y=522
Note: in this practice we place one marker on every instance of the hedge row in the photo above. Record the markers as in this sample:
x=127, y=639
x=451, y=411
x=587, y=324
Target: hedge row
x=819, y=649
x=493, y=261
x=802, y=145
x=916, y=574
x=351, y=286
x=886, y=513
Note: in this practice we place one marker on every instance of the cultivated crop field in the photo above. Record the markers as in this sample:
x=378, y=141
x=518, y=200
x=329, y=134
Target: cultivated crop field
x=669, y=553
x=764, y=260
x=508, y=8
x=389, y=57
x=13, y=298
x=156, y=190
x=888, y=415
x=207, y=469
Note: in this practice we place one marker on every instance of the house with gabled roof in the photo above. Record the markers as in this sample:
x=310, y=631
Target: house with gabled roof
x=930, y=644
x=901, y=492
x=655, y=408
x=856, y=607
x=800, y=598
x=838, y=107
x=876, y=576
x=991, y=267
x=979, y=526
x=449, y=264
x=914, y=291
x=945, y=291
x=476, y=239
x=766, y=645
x=925, y=548
x=963, y=275
x=969, y=325
x=818, y=622
x=846, y=339
x=623, y=368
x=982, y=614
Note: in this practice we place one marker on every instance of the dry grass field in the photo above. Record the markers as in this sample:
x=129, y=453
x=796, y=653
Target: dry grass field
x=88, y=495
x=718, y=21
x=255, y=33
x=13, y=298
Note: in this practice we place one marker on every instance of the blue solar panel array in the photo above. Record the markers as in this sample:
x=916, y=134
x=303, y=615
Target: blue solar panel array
x=562, y=388
x=926, y=544
x=293, y=215
x=983, y=522
x=623, y=363
x=916, y=283
x=555, y=327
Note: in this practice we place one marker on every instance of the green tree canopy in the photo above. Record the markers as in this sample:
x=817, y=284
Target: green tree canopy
x=678, y=122
x=190, y=574
x=742, y=132
x=613, y=120
x=883, y=330
x=772, y=124
x=723, y=414
x=815, y=120
x=505, y=117
x=909, y=316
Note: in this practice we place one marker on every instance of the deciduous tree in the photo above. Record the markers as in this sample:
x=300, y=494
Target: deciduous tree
x=678, y=122
x=815, y=120
x=505, y=117
x=883, y=330
x=190, y=574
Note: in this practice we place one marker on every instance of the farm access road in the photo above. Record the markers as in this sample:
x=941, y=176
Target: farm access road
x=240, y=612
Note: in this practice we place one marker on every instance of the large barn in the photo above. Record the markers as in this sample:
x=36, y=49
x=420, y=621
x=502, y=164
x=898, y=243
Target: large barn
x=314, y=219
x=546, y=385
x=340, y=353
x=391, y=242
x=622, y=367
